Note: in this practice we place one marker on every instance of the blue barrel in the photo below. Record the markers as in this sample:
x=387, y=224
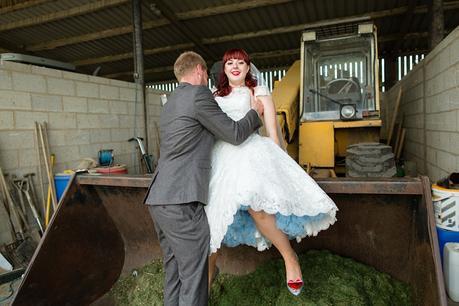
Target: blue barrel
x=445, y=236
x=61, y=181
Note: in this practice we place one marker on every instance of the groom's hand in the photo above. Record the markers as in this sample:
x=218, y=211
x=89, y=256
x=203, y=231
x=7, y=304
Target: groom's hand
x=257, y=105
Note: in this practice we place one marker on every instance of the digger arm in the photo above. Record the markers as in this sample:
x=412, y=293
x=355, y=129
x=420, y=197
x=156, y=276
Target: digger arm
x=286, y=98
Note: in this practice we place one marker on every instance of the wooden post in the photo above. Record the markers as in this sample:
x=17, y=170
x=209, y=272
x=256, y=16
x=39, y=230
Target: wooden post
x=437, y=30
x=394, y=116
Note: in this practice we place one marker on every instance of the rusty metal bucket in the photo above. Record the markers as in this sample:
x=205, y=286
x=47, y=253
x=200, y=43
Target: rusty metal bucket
x=102, y=231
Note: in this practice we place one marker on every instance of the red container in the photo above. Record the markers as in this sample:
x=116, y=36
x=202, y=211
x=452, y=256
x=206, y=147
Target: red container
x=119, y=169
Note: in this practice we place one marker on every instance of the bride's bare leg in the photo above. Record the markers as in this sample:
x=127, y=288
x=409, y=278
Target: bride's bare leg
x=212, y=267
x=266, y=224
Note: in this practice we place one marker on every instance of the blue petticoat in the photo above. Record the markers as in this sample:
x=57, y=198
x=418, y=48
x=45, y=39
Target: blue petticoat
x=243, y=230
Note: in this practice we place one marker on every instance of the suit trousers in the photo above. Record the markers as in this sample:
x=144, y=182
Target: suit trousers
x=183, y=233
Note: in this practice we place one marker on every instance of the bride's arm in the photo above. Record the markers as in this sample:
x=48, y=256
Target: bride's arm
x=270, y=117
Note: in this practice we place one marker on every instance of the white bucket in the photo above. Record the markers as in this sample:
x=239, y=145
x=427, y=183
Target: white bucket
x=451, y=269
x=4, y=264
x=446, y=207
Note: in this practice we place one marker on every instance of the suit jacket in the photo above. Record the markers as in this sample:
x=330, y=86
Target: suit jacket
x=190, y=121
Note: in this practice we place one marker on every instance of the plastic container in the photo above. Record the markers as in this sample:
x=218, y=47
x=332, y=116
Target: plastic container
x=61, y=181
x=445, y=236
x=118, y=169
x=446, y=207
x=451, y=270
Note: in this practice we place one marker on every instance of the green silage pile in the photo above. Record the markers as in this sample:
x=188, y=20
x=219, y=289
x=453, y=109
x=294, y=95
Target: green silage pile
x=329, y=280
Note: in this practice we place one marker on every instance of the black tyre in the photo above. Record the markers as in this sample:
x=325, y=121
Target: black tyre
x=370, y=160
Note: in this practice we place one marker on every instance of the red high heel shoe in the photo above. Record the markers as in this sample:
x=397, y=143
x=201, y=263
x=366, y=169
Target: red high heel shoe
x=295, y=286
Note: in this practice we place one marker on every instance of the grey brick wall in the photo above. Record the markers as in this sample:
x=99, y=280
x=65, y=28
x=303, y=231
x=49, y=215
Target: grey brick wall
x=430, y=106
x=84, y=113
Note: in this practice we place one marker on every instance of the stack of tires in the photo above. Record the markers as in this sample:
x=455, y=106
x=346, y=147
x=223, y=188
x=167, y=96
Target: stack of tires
x=370, y=160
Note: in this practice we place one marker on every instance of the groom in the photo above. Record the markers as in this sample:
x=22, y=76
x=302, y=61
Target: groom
x=190, y=122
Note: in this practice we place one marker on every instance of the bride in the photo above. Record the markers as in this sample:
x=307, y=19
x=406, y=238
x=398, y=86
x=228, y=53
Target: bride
x=258, y=195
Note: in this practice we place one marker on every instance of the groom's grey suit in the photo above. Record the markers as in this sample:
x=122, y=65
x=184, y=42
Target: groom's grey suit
x=190, y=121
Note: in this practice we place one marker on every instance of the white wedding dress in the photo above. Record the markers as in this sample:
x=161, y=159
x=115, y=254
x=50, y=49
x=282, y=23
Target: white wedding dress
x=260, y=175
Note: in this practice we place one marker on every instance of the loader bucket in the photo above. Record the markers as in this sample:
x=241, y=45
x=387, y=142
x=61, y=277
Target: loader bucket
x=101, y=231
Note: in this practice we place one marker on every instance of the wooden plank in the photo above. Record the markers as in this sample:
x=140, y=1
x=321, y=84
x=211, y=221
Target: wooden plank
x=21, y=6
x=186, y=32
x=399, y=134
x=227, y=38
x=229, y=8
x=402, y=142
x=94, y=36
x=123, y=56
x=75, y=11
x=211, y=11
x=394, y=116
x=268, y=54
x=422, y=9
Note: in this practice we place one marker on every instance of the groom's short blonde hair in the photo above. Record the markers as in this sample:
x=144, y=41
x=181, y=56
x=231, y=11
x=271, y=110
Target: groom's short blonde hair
x=186, y=62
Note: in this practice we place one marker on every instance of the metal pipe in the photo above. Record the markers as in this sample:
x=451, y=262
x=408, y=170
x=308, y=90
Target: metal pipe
x=138, y=60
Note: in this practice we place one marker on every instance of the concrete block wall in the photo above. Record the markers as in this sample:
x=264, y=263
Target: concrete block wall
x=430, y=106
x=84, y=113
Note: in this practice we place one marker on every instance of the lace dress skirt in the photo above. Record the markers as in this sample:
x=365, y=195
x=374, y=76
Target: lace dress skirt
x=259, y=175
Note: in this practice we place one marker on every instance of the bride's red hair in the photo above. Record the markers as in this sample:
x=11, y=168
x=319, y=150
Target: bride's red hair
x=223, y=87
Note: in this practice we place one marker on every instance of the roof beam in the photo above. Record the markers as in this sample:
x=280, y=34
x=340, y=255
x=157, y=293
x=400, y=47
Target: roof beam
x=8, y=47
x=229, y=8
x=278, y=53
x=75, y=11
x=451, y=5
x=223, y=9
x=226, y=38
x=240, y=36
x=402, y=36
x=128, y=55
x=258, y=55
x=94, y=36
x=187, y=33
x=21, y=6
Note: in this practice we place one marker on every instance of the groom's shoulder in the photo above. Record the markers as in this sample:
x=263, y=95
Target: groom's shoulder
x=203, y=93
x=203, y=90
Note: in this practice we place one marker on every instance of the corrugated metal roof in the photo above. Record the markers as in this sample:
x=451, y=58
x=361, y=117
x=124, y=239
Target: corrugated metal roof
x=94, y=33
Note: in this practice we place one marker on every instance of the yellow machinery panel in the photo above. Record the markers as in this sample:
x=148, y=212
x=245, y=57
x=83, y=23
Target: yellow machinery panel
x=285, y=97
x=352, y=132
x=316, y=144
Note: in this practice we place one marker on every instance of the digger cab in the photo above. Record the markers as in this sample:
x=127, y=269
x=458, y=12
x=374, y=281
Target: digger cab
x=339, y=93
x=339, y=69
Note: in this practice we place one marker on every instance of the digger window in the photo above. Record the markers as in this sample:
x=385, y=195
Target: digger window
x=338, y=71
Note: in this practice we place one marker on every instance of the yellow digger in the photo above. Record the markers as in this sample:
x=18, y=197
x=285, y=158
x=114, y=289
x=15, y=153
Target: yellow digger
x=329, y=100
